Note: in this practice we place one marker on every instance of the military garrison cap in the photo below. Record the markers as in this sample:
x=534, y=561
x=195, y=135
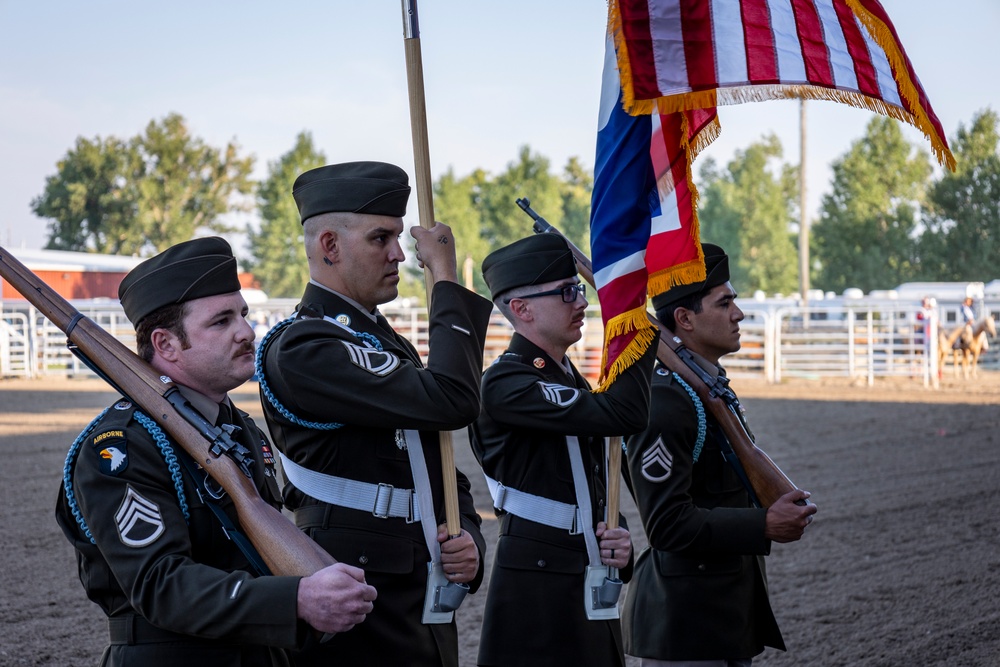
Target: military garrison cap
x=187, y=271
x=716, y=273
x=376, y=188
x=530, y=261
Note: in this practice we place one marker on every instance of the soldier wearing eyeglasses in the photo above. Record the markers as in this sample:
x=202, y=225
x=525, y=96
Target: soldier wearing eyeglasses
x=540, y=422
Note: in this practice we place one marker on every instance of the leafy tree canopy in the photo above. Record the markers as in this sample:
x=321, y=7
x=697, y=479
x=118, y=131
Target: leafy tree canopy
x=277, y=250
x=963, y=211
x=866, y=234
x=748, y=210
x=145, y=194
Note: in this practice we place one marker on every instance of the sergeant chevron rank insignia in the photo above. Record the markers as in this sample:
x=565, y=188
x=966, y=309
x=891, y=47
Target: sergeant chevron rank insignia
x=139, y=520
x=559, y=394
x=374, y=361
x=657, y=462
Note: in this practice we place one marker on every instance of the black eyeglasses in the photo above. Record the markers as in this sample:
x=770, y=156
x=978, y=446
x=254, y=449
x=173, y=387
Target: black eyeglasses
x=567, y=292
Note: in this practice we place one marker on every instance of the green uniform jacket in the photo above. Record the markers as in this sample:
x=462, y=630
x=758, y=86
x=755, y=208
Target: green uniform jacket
x=314, y=369
x=535, y=611
x=699, y=591
x=183, y=576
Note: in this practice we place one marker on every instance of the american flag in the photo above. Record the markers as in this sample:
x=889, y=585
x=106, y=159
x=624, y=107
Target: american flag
x=669, y=64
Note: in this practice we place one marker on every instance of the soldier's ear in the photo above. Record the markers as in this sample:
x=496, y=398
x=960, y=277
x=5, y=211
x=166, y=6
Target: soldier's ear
x=166, y=344
x=682, y=318
x=329, y=245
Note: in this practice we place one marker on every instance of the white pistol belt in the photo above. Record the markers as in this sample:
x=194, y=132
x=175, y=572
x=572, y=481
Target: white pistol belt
x=382, y=500
x=535, y=508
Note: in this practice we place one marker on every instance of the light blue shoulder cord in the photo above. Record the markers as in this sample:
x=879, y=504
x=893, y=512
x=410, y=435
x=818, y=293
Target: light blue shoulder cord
x=700, y=409
x=265, y=390
x=165, y=449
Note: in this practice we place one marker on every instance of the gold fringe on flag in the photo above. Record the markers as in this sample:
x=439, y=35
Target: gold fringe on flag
x=634, y=320
x=883, y=37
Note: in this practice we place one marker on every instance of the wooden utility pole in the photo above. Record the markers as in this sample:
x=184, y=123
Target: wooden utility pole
x=803, y=214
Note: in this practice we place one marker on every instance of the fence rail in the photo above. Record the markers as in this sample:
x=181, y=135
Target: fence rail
x=864, y=342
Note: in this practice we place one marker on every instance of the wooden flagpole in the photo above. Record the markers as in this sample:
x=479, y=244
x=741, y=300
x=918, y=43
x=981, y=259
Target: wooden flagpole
x=425, y=208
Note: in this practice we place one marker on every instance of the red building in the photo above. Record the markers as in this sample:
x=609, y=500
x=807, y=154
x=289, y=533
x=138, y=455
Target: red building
x=81, y=275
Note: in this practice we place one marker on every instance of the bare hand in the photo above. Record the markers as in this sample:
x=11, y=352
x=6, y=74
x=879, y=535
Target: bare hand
x=459, y=556
x=615, y=545
x=435, y=249
x=786, y=521
x=335, y=599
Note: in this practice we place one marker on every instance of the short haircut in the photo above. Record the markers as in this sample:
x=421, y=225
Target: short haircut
x=691, y=302
x=502, y=300
x=170, y=318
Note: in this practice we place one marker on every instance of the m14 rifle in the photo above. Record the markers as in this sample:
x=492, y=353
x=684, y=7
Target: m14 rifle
x=768, y=481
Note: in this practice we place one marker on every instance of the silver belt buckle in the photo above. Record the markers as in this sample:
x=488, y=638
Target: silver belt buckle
x=380, y=509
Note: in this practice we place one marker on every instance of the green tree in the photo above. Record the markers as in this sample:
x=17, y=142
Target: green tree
x=185, y=185
x=277, y=250
x=963, y=213
x=528, y=176
x=866, y=233
x=89, y=201
x=143, y=195
x=748, y=210
x=577, y=189
x=481, y=211
x=456, y=203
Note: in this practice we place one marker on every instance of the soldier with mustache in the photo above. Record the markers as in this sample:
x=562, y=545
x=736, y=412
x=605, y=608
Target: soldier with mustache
x=159, y=545
x=541, y=442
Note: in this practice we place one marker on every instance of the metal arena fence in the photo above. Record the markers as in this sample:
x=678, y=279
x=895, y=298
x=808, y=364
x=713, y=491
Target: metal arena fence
x=861, y=341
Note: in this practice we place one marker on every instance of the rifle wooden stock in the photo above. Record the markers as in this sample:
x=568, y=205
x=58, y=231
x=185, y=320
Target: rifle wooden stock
x=285, y=549
x=767, y=479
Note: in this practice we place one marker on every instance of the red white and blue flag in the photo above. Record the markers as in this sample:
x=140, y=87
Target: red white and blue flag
x=670, y=63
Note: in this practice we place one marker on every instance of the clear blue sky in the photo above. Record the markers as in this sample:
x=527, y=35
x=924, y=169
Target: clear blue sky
x=498, y=75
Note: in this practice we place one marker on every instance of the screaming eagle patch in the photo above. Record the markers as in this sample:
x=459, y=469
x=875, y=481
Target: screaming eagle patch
x=657, y=462
x=559, y=394
x=139, y=520
x=112, y=450
x=373, y=360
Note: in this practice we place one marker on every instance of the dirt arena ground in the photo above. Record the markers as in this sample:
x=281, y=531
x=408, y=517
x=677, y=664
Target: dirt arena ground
x=901, y=566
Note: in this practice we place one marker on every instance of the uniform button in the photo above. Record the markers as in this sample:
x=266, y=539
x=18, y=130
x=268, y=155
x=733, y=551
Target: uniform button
x=363, y=560
x=541, y=563
x=600, y=503
x=597, y=468
x=701, y=567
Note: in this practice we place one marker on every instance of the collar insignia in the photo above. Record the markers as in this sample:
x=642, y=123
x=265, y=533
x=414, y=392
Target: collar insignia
x=539, y=362
x=123, y=405
x=344, y=319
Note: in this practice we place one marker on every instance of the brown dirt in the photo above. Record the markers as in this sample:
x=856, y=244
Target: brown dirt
x=901, y=566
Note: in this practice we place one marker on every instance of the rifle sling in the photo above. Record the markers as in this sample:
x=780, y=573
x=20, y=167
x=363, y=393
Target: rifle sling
x=232, y=531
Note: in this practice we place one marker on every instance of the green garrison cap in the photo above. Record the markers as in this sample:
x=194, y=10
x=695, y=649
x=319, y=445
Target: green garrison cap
x=716, y=273
x=376, y=188
x=530, y=261
x=187, y=271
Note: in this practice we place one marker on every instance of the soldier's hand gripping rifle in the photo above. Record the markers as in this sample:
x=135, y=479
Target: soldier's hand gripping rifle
x=766, y=478
x=285, y=549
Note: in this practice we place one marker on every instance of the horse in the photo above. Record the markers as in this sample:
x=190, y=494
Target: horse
x=966, y=349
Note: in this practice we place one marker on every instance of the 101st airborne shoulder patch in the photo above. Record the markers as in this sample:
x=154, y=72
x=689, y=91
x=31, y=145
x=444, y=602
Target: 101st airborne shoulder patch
x=112, y=450
x=371, y=359
x=559, y=394
x=657, y=462
x=138, y=519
